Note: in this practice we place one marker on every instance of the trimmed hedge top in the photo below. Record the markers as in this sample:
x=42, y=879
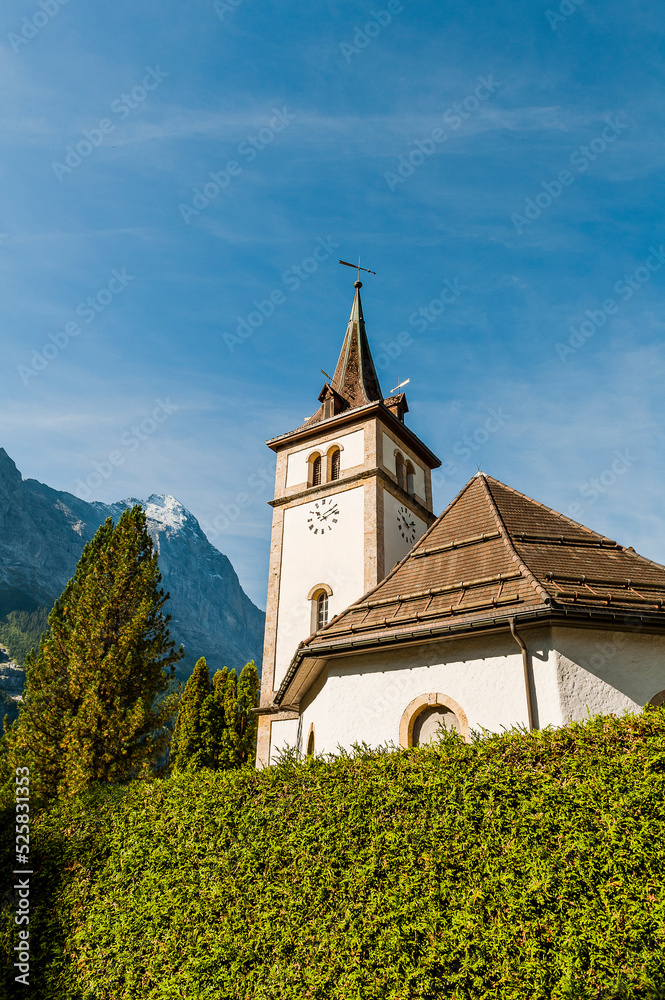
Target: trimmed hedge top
x=519, y=867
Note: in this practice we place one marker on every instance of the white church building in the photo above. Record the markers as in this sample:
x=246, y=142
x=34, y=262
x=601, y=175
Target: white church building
x=384, y=621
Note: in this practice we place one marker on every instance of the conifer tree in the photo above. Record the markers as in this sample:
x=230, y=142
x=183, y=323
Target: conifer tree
x=95, y=707
x=213, y=716
x=216, y=727
x=191, y=742
x=241, y=695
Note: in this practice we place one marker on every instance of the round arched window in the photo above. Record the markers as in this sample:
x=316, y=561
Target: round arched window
x=410, y=479
x=427, y=726
x=399, y=469
x=321, y=610
x=423, y=718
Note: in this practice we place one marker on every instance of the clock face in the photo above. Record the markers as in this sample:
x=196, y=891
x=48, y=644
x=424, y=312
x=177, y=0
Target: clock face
x=406, y=525
x=322, y=516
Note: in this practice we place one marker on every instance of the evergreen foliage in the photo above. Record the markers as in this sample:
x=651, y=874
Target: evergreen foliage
x=189, y=746
x=216, y=727
x=93, y=708
x=520, y=867
x=20, y=631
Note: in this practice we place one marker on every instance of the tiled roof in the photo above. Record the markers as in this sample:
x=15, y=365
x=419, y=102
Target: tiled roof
x=493, y=552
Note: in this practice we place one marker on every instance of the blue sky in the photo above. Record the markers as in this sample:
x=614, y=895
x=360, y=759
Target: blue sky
x=514, y=154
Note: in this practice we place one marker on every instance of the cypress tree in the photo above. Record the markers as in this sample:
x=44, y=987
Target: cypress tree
x=191, y=743
x=213, y=718
x=216, y=727
x=95, y=707
x=240, y=696
x=246, y=720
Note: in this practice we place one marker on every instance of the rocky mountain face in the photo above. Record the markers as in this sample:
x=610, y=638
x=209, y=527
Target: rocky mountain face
x=42, y=534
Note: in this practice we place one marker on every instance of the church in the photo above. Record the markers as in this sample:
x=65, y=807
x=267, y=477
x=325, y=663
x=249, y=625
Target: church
x=385, y=622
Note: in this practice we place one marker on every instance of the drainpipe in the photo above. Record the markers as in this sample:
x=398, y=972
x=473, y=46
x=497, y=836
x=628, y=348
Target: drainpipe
x=525, y=663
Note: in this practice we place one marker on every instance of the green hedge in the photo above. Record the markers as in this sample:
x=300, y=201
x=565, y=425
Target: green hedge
x=520, y=866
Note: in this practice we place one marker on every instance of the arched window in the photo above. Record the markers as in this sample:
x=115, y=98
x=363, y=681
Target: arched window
x=399, y=468
x=335, y=456
x=424, y=716
x=321, y=610
x=658, y=699
x=427, y=725
x=315, y=470
x=410, y=479
x=318, y=598
x=310, y=741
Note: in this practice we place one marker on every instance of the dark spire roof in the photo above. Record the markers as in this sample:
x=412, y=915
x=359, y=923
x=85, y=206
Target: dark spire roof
x=355, y=378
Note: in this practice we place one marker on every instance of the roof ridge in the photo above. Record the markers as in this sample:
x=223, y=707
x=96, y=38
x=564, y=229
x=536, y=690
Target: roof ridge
x=550, y=510
x=508, y=542
x=570, y=520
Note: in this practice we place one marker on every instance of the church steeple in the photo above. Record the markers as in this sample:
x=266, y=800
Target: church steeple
x=355, y=382
x=355, y=378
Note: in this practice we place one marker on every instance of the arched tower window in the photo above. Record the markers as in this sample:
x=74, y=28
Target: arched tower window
x=657, y=700
x=310, y=741
x=410, y=479
x=315, y=470
x=318, y=598
x=335, y=456
x=321, y=611
x=399, y=468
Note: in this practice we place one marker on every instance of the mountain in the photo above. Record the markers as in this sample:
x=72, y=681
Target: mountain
x=42, y=534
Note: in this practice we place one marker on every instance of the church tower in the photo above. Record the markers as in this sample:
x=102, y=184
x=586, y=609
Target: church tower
x=353, y=493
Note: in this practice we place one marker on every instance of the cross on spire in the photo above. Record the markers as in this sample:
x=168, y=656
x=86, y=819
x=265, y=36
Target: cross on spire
x=358, y=267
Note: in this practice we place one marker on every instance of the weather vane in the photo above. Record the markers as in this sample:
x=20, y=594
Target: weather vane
x=357, y=267
x=405, y=382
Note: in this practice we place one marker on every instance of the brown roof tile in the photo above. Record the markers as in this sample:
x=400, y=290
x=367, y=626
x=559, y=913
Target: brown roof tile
x=494, y=549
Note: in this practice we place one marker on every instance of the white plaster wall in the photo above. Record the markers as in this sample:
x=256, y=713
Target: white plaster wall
x=352, y=453
x=336, y=558
x=607, y=672
x=363, y=698
x=396, y=547
x=574, y=672
x=283, y=734
x=389, y=448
